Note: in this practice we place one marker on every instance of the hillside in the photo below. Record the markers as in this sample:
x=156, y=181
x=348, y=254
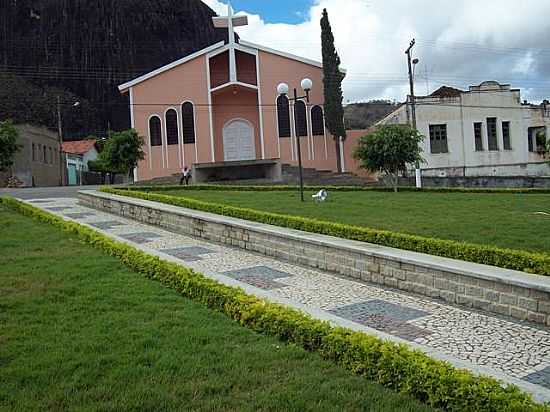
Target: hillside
x=364, y=115
x=83, y=49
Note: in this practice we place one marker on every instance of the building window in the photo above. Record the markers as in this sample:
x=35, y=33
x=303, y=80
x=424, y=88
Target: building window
x=172, y=130
x=45, y=154
x=155, y=131
x=188, y=119
x=301, y=118
x=438, y=138
x=492, y=133
x=317, y=121
x=478, y=136
x=537, y=139
x=51, y=155
x=283, y=116
x=33, y=152
x=507, y=142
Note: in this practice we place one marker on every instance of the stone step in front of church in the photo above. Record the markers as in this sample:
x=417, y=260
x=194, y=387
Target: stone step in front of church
x=290, y=176
x=504, y=292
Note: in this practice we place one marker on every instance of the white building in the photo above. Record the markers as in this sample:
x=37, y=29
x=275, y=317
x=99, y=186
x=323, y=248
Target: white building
x=485, y=131
x=78, y=153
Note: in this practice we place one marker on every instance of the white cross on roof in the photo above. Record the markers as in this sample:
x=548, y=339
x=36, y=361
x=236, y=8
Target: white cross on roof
x=230, y=21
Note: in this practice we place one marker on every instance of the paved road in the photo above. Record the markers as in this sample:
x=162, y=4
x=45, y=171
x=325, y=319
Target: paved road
x=511, y=351
x=46, y=192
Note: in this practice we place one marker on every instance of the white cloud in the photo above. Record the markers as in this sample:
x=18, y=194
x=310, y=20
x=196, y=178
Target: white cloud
x=458, y=42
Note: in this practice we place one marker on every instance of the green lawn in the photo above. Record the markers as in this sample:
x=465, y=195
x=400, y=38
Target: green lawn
x=505, y=220
x=79, y=331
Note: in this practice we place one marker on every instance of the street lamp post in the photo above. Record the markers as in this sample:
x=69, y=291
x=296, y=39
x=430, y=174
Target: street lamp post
x=412, y=64
x=283, y=89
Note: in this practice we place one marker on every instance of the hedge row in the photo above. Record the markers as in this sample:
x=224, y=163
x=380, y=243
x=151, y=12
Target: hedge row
x=286, y=188
x=395, y=366
x=529, y=262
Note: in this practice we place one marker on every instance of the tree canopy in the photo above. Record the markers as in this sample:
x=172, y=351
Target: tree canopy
x=8, y=145
x=388, y=150
x=121, y=153
x=332, y=82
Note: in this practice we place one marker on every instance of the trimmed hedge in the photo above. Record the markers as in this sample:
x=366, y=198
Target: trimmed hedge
x=287, y=188
x=395, y=366
x=530, y=262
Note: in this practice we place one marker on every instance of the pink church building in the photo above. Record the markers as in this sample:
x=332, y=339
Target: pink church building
x=218, y=112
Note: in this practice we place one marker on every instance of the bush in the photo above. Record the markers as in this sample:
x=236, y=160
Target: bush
x=285, y=188
x=529, y=262
x=395, y=366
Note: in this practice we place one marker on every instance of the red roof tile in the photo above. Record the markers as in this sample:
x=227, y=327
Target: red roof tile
x=446, y=91
x=79, y=147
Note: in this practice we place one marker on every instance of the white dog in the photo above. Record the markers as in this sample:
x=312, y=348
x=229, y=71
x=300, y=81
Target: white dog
x=321, y=196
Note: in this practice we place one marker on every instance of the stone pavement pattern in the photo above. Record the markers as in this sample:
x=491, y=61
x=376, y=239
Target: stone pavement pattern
x=511, y=349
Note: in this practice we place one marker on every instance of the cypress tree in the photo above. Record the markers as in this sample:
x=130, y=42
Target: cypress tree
x=334, y=111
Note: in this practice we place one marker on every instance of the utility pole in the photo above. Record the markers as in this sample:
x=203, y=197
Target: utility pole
x=410, y=63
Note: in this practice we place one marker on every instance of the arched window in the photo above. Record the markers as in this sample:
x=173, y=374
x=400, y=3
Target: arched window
x=283, y=116
x=188, y=119
x=155, y=132
x=172, y=130
x=317, y=121
x=301, y=118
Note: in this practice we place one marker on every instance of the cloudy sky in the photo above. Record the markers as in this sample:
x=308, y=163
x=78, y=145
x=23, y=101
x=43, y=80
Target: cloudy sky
x=459, y=42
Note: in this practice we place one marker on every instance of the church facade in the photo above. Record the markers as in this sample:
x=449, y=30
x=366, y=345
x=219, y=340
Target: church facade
x=220, y=105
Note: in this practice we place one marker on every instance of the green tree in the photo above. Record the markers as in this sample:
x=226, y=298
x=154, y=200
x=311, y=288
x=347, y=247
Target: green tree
x=388, y=150
x=332, y=81
x=8, y=145
x=121, y=153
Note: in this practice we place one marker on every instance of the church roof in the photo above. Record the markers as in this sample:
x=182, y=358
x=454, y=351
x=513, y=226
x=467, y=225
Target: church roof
x=241, y=44
x=124, y=87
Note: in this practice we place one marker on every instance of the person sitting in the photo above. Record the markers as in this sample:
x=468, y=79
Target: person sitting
x=185, y=175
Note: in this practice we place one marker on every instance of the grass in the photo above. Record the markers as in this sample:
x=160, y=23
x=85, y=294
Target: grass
x=79, y=331
x=498, y=219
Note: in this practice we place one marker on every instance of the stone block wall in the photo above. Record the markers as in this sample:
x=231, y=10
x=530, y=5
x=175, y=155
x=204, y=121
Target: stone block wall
x=511, y=296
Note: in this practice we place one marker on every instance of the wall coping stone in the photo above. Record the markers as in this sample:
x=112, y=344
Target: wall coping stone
x=475, y=270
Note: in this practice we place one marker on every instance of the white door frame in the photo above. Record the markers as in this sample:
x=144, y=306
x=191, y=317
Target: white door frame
x=253, y=136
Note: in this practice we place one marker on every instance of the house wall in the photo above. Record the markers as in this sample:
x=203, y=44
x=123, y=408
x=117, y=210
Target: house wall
x=460, y=114
x=37, y=170
x=351, y=142
x=90, y=155
x=155, y=96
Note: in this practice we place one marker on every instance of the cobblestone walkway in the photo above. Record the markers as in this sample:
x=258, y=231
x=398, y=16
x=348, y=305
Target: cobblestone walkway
x=512, y=351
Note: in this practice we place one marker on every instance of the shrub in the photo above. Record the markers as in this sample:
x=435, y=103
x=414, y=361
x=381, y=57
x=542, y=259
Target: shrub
x=529, y=262
x=286, y=188
x=395, y=366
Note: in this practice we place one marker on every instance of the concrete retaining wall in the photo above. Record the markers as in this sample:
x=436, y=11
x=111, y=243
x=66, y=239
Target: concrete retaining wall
x=480, y=182
x=505, y=292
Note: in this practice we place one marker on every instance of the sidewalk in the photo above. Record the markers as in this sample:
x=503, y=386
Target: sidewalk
x=514, y=352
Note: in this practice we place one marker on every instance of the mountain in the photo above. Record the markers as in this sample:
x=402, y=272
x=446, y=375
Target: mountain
x=83, y=49
x=364, y=115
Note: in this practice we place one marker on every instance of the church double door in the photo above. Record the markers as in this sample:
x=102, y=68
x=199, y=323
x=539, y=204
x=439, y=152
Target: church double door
x=238, y=141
